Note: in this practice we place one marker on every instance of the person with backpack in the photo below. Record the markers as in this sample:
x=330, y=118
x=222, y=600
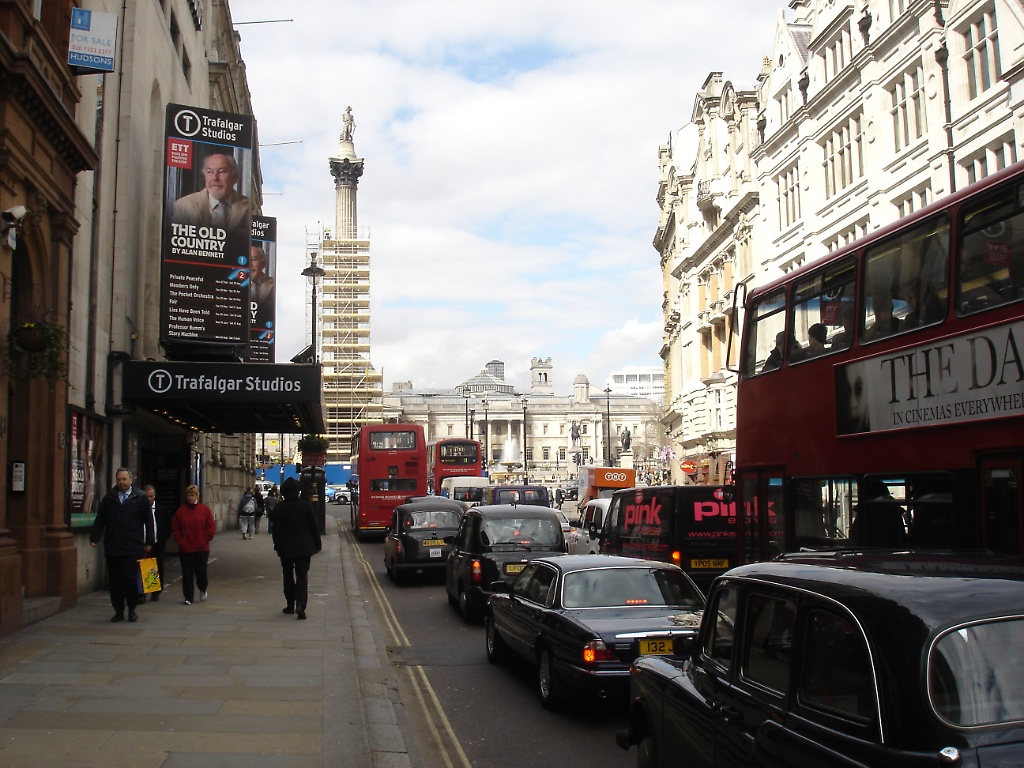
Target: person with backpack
x=247, y=513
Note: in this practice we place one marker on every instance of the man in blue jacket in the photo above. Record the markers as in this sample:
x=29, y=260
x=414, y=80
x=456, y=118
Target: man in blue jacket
x=125, y=522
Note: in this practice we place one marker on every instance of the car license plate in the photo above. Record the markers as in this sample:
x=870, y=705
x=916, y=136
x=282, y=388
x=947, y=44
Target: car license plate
x=514, y=567
x=435, y=552
x=659, y=647
x=433, y=543
x=721, y=563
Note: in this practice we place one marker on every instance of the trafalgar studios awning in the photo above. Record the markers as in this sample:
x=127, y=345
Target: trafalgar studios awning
x=229, y=397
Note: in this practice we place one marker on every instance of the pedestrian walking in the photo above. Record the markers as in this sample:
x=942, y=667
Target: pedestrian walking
x=268, y=504
x=125, y=523
x=296, y=534
x=257, y=497
x=193, y=528
x=162, y=520
x=247, y=513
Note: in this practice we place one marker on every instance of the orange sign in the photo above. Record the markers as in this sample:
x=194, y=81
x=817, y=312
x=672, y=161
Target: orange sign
x=688, y=466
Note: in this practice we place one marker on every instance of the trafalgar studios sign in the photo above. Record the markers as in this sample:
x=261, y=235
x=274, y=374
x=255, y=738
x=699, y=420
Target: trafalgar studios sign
x=207, y=228
x=214, y=382
x=970, y=377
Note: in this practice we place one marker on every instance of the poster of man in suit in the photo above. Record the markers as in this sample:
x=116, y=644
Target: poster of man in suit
x=207, y=227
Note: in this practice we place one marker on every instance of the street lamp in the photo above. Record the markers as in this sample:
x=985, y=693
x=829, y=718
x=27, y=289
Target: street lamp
x=607, y=426
x=487, y=442
x=313, y=275
x=526, y=472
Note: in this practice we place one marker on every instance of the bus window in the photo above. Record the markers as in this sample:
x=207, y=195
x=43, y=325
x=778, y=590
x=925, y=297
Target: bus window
x=906, y=283
x=822, y=510
x=766, y=326
x=991, y=267
x=394, y=484
x=385, y=441
x=823, y=311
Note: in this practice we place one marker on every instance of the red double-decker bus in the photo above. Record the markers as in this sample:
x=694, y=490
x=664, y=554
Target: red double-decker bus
x=880, y=400
x=452, y=457
x=389, y=464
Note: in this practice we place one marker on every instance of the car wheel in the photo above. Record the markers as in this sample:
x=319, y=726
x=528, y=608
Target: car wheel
x=396, y=575
x=547, y=685
x=467, y=611
x=497, y=651
x=647, y=752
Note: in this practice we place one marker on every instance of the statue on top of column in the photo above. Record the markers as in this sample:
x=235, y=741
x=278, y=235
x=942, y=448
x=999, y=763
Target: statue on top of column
x=348, y=126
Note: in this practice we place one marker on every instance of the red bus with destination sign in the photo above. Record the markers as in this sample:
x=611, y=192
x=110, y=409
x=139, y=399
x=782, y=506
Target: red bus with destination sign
x=452, y=457
x=880, y=400
x=389, y=464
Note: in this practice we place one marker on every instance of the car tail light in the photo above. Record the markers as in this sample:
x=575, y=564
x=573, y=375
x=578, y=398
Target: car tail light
x=677, y=557
x=477, y=570
x=398, y=548
x=595, y=651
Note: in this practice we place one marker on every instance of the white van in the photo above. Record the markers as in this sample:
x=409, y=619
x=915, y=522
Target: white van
x=465, y=490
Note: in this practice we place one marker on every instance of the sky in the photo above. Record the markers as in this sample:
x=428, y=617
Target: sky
x=511, y=167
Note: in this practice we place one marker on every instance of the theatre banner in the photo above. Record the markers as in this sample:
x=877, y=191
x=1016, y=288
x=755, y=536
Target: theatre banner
x=263, y=289
x=87, y=437
x=207, y=228
x=970, y=377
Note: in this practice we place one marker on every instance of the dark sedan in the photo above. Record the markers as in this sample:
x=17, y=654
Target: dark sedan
x=582, y=620
x=415, y=542
x=842, y=660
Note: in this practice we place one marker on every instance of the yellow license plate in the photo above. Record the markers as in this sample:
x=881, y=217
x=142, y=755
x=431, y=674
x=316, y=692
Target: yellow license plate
x=723, y=563
x=433, y=543
x=514, y=567
x=657, y=647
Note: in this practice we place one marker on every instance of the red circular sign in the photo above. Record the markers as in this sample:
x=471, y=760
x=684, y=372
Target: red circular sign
x=688, y=466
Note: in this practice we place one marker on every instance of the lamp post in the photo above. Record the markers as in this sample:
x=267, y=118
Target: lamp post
x=607, y=426
x=465, y=420
x=487, y=442
x=313, y=275
x=526, y=472
x=472, y=423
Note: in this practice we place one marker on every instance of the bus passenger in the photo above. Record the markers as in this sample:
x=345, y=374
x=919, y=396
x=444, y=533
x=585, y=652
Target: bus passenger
x=816, y=336
x=885, y=322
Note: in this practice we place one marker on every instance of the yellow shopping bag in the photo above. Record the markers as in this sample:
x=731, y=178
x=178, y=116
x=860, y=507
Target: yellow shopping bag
x=150, y=575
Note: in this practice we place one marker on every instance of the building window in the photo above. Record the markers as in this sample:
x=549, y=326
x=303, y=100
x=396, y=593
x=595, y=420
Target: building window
x=546, y=453
x=913, y=201
x=897, y=8
x=449, y=430
x=846, y=236
x=788, y=183
x=586, y=453
x=990, y=159
x=908, y=116
x=785, y=103
x=981, y=52
x=844, y=156
x=583, y=428
x=529, y=454
x=561, y=454
x=837, y=54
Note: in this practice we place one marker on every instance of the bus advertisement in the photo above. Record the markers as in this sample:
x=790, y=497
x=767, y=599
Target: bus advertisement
x=452, y=457
x=389, y=464
x=880, y=400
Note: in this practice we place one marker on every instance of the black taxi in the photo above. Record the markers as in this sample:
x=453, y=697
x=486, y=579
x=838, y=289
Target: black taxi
x=415, y=541
x=843, y=659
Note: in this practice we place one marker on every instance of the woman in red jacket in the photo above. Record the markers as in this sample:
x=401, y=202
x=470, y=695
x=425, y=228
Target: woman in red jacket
x=193, y=528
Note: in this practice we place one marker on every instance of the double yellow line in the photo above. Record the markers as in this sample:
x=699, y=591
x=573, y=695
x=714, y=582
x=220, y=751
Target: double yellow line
x=433, y=712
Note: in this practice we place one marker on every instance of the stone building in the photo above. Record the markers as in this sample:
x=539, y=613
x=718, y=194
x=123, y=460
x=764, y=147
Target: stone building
x=83, y=166
x=864, y=112
x=555, y=429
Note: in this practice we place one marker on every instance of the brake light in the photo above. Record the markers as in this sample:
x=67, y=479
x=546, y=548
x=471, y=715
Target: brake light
x=595, y=651
x=477, y=571
x=677, y=557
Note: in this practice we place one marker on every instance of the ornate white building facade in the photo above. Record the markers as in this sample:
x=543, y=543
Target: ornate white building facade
x=863, y=113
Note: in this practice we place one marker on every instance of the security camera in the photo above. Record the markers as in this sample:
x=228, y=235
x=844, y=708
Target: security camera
x=15, y=214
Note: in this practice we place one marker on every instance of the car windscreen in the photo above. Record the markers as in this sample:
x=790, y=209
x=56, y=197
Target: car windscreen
x=975, y=674
x=425, y=520
x=498, y=532
x=615, y=587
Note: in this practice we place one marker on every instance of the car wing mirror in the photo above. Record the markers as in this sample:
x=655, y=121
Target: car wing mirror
x=449, y=539
x=500, y=587
x=684, y=645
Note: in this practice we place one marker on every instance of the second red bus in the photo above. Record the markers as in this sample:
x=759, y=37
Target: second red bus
x=452, y=457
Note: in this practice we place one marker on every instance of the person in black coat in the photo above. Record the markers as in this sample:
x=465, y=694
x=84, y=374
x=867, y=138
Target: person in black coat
x=162, y=518
x=124, y=520
x=296, y=535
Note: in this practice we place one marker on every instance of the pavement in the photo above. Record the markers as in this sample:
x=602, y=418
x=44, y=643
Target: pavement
x=228, y=682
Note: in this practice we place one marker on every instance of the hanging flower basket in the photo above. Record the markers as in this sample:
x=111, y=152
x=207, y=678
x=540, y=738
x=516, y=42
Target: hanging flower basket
x=36, y=350
x=313, y=449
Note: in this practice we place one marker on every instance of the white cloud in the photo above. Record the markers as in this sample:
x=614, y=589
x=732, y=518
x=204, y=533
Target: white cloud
x=511, y=166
